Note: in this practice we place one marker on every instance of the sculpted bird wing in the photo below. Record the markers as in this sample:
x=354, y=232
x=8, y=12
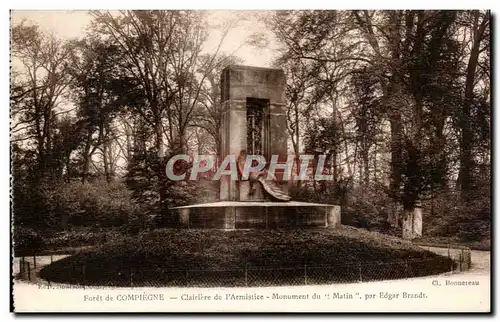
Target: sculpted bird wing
x=273, y=189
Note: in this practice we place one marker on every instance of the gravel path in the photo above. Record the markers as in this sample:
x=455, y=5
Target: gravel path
x=481, y=260
x=481, y=263
x=40, y=262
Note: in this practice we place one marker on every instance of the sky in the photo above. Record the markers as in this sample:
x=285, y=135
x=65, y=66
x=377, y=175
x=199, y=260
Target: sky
x=72, y=23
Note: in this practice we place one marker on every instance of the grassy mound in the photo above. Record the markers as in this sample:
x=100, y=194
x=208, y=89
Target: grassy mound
x=259, y=257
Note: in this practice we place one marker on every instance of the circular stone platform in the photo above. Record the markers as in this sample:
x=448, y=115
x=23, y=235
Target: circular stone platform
x=258, y=215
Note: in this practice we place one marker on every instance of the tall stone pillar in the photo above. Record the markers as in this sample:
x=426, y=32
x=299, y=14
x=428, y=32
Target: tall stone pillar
x=244, y=87
x=417, y=221
x=332, y=216
x=233, y=141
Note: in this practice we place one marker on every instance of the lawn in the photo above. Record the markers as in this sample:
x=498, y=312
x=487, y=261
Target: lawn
x=243, y=257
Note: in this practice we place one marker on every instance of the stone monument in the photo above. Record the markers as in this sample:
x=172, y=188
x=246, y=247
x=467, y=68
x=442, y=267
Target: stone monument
x=254, y=123
x=253, y=120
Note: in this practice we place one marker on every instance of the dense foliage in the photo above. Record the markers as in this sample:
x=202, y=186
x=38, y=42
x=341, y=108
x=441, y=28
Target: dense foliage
x=401, y=102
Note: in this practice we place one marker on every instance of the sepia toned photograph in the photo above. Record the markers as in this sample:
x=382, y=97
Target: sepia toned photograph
x=251, y=161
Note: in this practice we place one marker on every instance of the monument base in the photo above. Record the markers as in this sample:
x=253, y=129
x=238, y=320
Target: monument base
x=258, y=215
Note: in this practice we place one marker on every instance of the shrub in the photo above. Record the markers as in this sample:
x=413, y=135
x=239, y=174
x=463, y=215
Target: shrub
x=450, y=216
x=138, y=222
x=159, y=256
x=81, y=237
x=26, y=241
x=97, y=203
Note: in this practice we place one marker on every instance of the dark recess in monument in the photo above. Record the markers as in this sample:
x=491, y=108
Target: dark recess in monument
x=258, y=127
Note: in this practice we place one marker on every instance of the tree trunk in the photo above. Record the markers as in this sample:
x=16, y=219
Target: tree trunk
x=396, y=155
x=335, y=167
x=394, y=214
x=407, y=224
x=412, y=223
x=366, y=167
x=67, y=162
x=198, y=141
x=394, y=92
x=293, y=131
x=417, y=221
x=466, y=138
x=159, y=140
x=128, y=138
x=106, y=160
x=86, y=158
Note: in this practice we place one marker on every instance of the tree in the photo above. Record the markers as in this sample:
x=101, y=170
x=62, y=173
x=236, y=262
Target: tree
x=208, y=114
x=367, y=115
x=100, y=92
x=401, y=68
x=162, y=56
x=41, y=79
x=478, y=26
